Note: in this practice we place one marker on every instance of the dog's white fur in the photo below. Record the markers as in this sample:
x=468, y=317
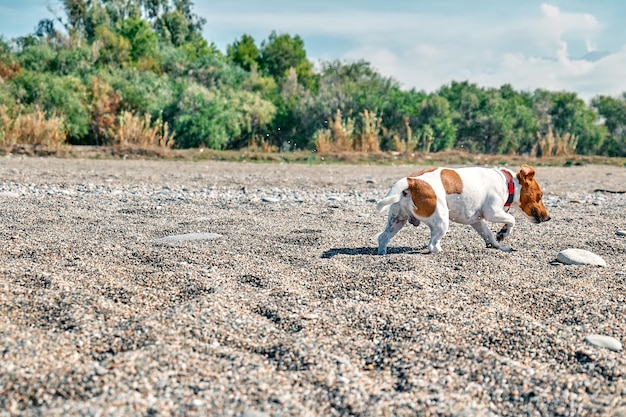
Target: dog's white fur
x=483, y=197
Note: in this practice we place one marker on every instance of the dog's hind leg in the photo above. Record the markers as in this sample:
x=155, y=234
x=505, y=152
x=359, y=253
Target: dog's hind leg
x=395, y=221
x=438, y=229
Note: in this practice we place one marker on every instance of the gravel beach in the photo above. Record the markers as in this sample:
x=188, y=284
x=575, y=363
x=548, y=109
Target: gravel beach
x=239, y=289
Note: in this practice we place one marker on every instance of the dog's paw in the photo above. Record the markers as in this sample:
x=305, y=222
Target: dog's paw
x=434, y=249
x=504, y=232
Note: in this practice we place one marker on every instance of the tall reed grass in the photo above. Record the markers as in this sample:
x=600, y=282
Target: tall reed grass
x=342, y=135
x=550, y=144
x=135, y=130
x=22, y=127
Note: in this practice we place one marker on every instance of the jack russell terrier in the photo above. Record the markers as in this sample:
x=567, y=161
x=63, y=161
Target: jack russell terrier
x=471, y=195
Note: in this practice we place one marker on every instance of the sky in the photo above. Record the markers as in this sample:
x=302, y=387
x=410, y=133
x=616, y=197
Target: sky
x=570, y=45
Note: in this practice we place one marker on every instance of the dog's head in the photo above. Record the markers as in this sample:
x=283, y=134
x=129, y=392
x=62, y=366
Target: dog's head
x=530, y=195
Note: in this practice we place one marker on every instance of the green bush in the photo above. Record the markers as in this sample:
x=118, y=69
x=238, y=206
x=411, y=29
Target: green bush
x=37, y=58
x=75, y=61
x=64, y=96
x=142, y=91
x=218, y=119
x=204, y=119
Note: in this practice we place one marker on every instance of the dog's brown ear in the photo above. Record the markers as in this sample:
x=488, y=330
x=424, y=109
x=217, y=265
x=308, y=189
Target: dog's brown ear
x=526, y=172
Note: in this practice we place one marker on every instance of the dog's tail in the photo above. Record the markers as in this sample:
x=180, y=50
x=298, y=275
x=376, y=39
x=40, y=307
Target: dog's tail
x=394, y=195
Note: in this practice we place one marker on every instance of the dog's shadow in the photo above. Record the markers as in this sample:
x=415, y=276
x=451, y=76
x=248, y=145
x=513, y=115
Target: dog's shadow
x=365, y=251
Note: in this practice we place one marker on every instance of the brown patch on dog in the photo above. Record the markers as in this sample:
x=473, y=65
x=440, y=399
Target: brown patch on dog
x=451, y=181
x=531, y=194
x=422, y=171
x=423, y=196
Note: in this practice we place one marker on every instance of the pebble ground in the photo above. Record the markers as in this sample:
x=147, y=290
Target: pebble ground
x=290, y=312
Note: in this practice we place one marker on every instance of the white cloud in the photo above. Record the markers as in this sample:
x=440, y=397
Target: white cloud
x=554, y=26
x=427, y=51
x=550, y=11
x=590, y=46
x=493, y=62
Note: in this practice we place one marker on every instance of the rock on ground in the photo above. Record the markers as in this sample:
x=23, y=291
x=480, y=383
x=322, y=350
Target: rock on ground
x=575, y=256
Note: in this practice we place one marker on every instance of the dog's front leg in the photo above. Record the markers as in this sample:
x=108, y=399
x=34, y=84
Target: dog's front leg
x=487, y=235
x=504, y=232
x=500, y=216
x=395, y=221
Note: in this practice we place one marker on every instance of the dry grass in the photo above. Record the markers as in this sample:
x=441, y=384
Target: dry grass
x=368, y=140
x=342, y=136
x=35, y=128
x=550, y=144
x=261, y=145
x=132, y=129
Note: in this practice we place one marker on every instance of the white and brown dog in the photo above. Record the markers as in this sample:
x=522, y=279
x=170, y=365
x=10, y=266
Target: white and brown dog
x=471, y=195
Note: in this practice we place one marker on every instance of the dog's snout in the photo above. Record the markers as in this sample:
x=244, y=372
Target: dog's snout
x=539, y=217
x=535, y=215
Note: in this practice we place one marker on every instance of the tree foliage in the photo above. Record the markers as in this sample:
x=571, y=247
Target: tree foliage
x=143, y=70
x=244, y=53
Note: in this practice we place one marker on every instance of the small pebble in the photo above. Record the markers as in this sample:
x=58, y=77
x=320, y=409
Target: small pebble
x=621, y=233
x=189, y=236
x=270, y=200
x=255, y=413
x=607, y=342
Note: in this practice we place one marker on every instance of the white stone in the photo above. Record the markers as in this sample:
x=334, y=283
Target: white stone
x=270, y=200
x=607, y=342
x=255, y=413
x=621, y=233
x=579, y=257
x=189, y=236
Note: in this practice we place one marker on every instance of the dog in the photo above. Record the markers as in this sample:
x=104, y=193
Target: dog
x=469, y=195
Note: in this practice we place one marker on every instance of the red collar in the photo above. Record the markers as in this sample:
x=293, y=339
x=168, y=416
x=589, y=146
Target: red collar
x=510, y=186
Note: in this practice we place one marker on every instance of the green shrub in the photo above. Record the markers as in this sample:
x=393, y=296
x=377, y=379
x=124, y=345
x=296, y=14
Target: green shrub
x=204, y=119
x=142, y=91
x=75, y=61
x=219, y=119
x=64, y=96
x=37, y=58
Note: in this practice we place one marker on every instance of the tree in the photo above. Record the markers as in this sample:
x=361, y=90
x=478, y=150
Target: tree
x=176, y=23
x=465, y=101
x=567, y=113
x=281, y=52
x=525, y=123
x=613, y=112
x=142, y=38
x=219, y=119
x=434, y=122
x=244, y=53
x=113, y=49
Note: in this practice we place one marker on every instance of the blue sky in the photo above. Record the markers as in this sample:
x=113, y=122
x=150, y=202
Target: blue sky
x=558, y=45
